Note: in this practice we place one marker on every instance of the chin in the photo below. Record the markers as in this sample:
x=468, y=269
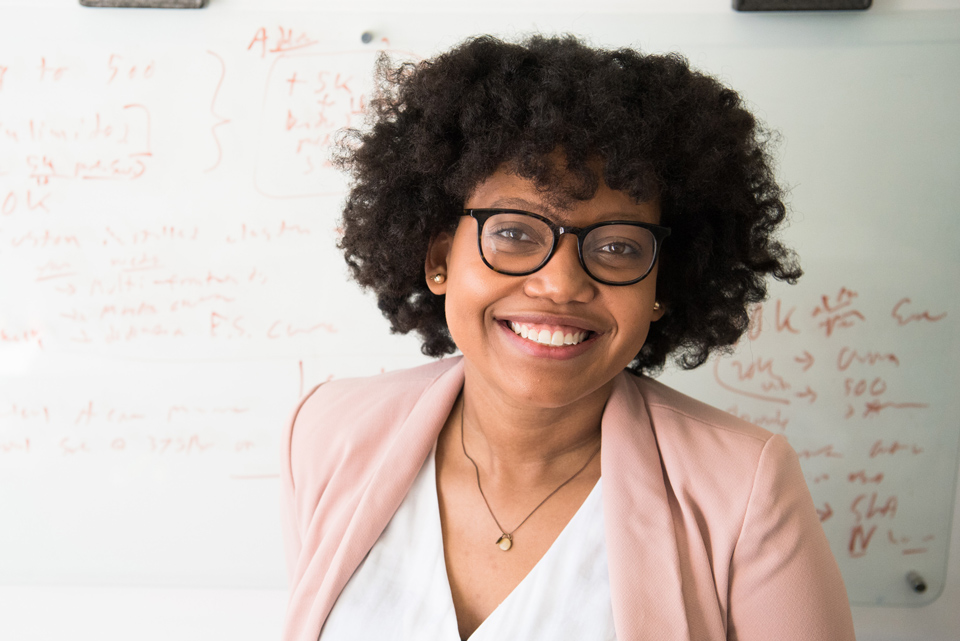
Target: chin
x=546, y=390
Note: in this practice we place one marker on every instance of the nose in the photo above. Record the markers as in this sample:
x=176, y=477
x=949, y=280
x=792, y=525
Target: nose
x=562, y=280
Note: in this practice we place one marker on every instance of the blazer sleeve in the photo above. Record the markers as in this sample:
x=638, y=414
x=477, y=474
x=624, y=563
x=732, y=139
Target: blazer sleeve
x=289, y=519
x=784, y=581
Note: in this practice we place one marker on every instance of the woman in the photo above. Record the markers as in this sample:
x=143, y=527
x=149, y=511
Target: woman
x=567, y=218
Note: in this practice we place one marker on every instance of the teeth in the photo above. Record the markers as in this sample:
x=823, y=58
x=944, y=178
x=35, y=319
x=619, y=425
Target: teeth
x=546, y=337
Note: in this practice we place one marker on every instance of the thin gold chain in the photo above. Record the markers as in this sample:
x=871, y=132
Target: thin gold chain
x=480, y=487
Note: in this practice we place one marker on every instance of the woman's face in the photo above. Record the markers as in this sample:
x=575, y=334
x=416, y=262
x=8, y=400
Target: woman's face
x=484, y=309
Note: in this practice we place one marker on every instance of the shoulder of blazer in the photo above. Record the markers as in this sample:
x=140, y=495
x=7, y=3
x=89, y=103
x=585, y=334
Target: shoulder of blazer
x=345, y=415
x=675, y=410
x=709, y=457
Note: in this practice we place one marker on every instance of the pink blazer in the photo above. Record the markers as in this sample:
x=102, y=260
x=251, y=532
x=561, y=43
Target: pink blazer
x=711, y=531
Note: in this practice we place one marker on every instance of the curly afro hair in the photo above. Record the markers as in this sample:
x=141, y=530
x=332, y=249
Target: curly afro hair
x=438, y=128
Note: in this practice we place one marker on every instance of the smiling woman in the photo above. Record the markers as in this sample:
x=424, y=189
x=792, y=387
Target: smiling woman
x=568, y=218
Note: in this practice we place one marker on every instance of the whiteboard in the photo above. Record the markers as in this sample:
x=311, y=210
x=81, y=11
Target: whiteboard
x=170, y=286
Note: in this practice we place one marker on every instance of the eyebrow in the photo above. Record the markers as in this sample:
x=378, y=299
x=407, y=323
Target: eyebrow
x=520, y=203
x=553, y=214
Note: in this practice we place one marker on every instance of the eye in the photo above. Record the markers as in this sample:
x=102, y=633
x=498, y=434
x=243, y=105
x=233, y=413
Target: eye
x=618, y=248
x=514, y=234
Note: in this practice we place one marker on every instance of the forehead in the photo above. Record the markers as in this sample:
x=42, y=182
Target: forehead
x=510, y=191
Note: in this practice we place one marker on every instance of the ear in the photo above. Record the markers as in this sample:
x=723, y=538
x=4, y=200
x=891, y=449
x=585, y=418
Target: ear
x=659, y=309
x=436, y=262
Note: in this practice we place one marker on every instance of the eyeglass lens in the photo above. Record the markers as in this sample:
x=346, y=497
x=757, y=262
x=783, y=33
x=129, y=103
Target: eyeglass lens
x=518, y=244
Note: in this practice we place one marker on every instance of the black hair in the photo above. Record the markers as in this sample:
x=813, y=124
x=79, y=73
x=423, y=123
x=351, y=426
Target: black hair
x=659, y=130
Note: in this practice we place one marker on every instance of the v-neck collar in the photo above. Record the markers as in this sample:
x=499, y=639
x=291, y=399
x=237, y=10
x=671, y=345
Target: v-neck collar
x=480, y=633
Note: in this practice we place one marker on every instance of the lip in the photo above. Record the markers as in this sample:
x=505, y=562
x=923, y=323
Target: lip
x=560, y=352
x=550, y=319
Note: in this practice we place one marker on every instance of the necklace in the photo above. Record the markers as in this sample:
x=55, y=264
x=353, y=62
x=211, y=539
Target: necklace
x=505, y=542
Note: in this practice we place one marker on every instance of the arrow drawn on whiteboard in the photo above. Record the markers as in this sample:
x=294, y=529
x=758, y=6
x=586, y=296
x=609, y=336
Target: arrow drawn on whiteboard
x=825, y=513
x=220, y=119
x=806, y=360
x=807, y=393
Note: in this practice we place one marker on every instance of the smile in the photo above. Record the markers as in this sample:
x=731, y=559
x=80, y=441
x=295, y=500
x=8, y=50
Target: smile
x=549, y=335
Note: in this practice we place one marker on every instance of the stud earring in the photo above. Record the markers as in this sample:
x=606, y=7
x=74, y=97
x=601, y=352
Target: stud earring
x=438, y=278
x=656, y=306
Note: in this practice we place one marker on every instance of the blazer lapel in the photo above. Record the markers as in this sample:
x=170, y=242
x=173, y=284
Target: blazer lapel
x=645, y=579
x=401, y=461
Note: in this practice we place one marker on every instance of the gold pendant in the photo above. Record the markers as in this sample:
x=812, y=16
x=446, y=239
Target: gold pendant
x=505, y=542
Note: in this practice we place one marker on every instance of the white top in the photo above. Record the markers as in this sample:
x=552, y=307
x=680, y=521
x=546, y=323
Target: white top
x=401, y=591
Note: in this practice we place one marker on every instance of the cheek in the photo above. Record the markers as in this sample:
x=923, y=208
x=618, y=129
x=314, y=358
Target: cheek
x=468, y=293
x=457, y=315
x=638, y=334
x=634, y=318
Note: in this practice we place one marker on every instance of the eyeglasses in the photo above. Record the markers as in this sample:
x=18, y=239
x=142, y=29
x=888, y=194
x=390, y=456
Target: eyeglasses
x=518, y=243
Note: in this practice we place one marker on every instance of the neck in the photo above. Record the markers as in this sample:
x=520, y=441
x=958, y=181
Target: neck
x=526, y=442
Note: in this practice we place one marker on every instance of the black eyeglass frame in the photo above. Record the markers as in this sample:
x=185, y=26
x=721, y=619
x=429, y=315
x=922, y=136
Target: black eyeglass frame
x=659, y=232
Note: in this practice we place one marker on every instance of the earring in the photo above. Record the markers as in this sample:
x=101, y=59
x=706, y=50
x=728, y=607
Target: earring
x=438, y=278
x=656, y=306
